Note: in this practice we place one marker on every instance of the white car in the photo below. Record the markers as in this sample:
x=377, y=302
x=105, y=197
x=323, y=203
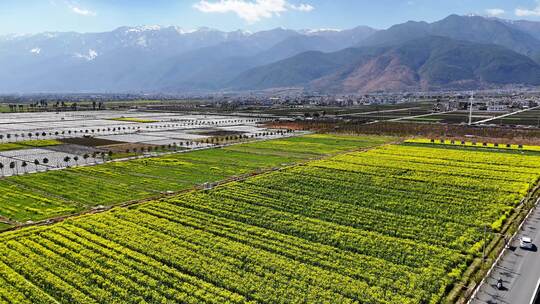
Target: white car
x=525, y=242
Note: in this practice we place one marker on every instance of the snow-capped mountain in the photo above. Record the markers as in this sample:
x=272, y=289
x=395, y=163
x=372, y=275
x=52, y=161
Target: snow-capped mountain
x=174, y=59
x=151, y=57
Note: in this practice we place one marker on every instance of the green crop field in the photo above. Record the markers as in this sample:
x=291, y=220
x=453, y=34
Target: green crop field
x=394, y=224
x=55, y=193
x=393, y=114
x=527, y=118
x=306, y=147
x=454, y=117
x=474, y=144
x=28, y=144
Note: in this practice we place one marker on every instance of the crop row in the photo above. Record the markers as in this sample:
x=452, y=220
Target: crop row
x=390, y=225
x=387, y=194
x=54, y=193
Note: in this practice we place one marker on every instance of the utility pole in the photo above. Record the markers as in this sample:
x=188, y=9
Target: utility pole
x=470, y=108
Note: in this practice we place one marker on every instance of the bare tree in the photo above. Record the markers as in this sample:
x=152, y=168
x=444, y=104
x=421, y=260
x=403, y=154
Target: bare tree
x=45, y=162
x=12, y=166
x=66, y=160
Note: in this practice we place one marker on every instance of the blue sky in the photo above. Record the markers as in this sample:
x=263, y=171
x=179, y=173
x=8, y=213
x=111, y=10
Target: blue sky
x=31, y=16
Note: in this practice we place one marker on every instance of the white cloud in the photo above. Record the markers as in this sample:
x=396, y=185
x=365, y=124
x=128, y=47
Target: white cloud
x=81, y=11
x=74, y=6
x=520, y=12
x=251, y=11
x=495, y=12
x=302, y=7
x=524, y=12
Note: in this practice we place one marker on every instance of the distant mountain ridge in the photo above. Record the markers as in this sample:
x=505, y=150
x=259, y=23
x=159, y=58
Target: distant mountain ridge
x=362, y=59
x=151, y=58
x=427, y=63
x=458, y=52
x=513, y=35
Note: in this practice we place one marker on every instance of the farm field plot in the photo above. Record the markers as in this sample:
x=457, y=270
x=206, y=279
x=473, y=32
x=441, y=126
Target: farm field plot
x=134, y=119
x=54, y=193
x=312, y=145
x=395, y=224
x=528, y=118
x=133, y=138
x=73, y=136
x=392, y=114
x=474, y=144
x=62, y=125
x=56, y=159
x=28, y=144
x=455, y=117
x=349, y=111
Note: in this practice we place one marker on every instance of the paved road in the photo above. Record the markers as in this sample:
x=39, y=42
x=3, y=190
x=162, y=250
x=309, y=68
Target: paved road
x=519, y=269
x=419, y=116
x=503, y=116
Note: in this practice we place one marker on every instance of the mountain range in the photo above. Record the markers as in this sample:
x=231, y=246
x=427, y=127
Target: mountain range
x=458, y=52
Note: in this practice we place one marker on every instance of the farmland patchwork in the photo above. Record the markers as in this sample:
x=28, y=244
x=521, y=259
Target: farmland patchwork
x=54, y=193
x=395, y=224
